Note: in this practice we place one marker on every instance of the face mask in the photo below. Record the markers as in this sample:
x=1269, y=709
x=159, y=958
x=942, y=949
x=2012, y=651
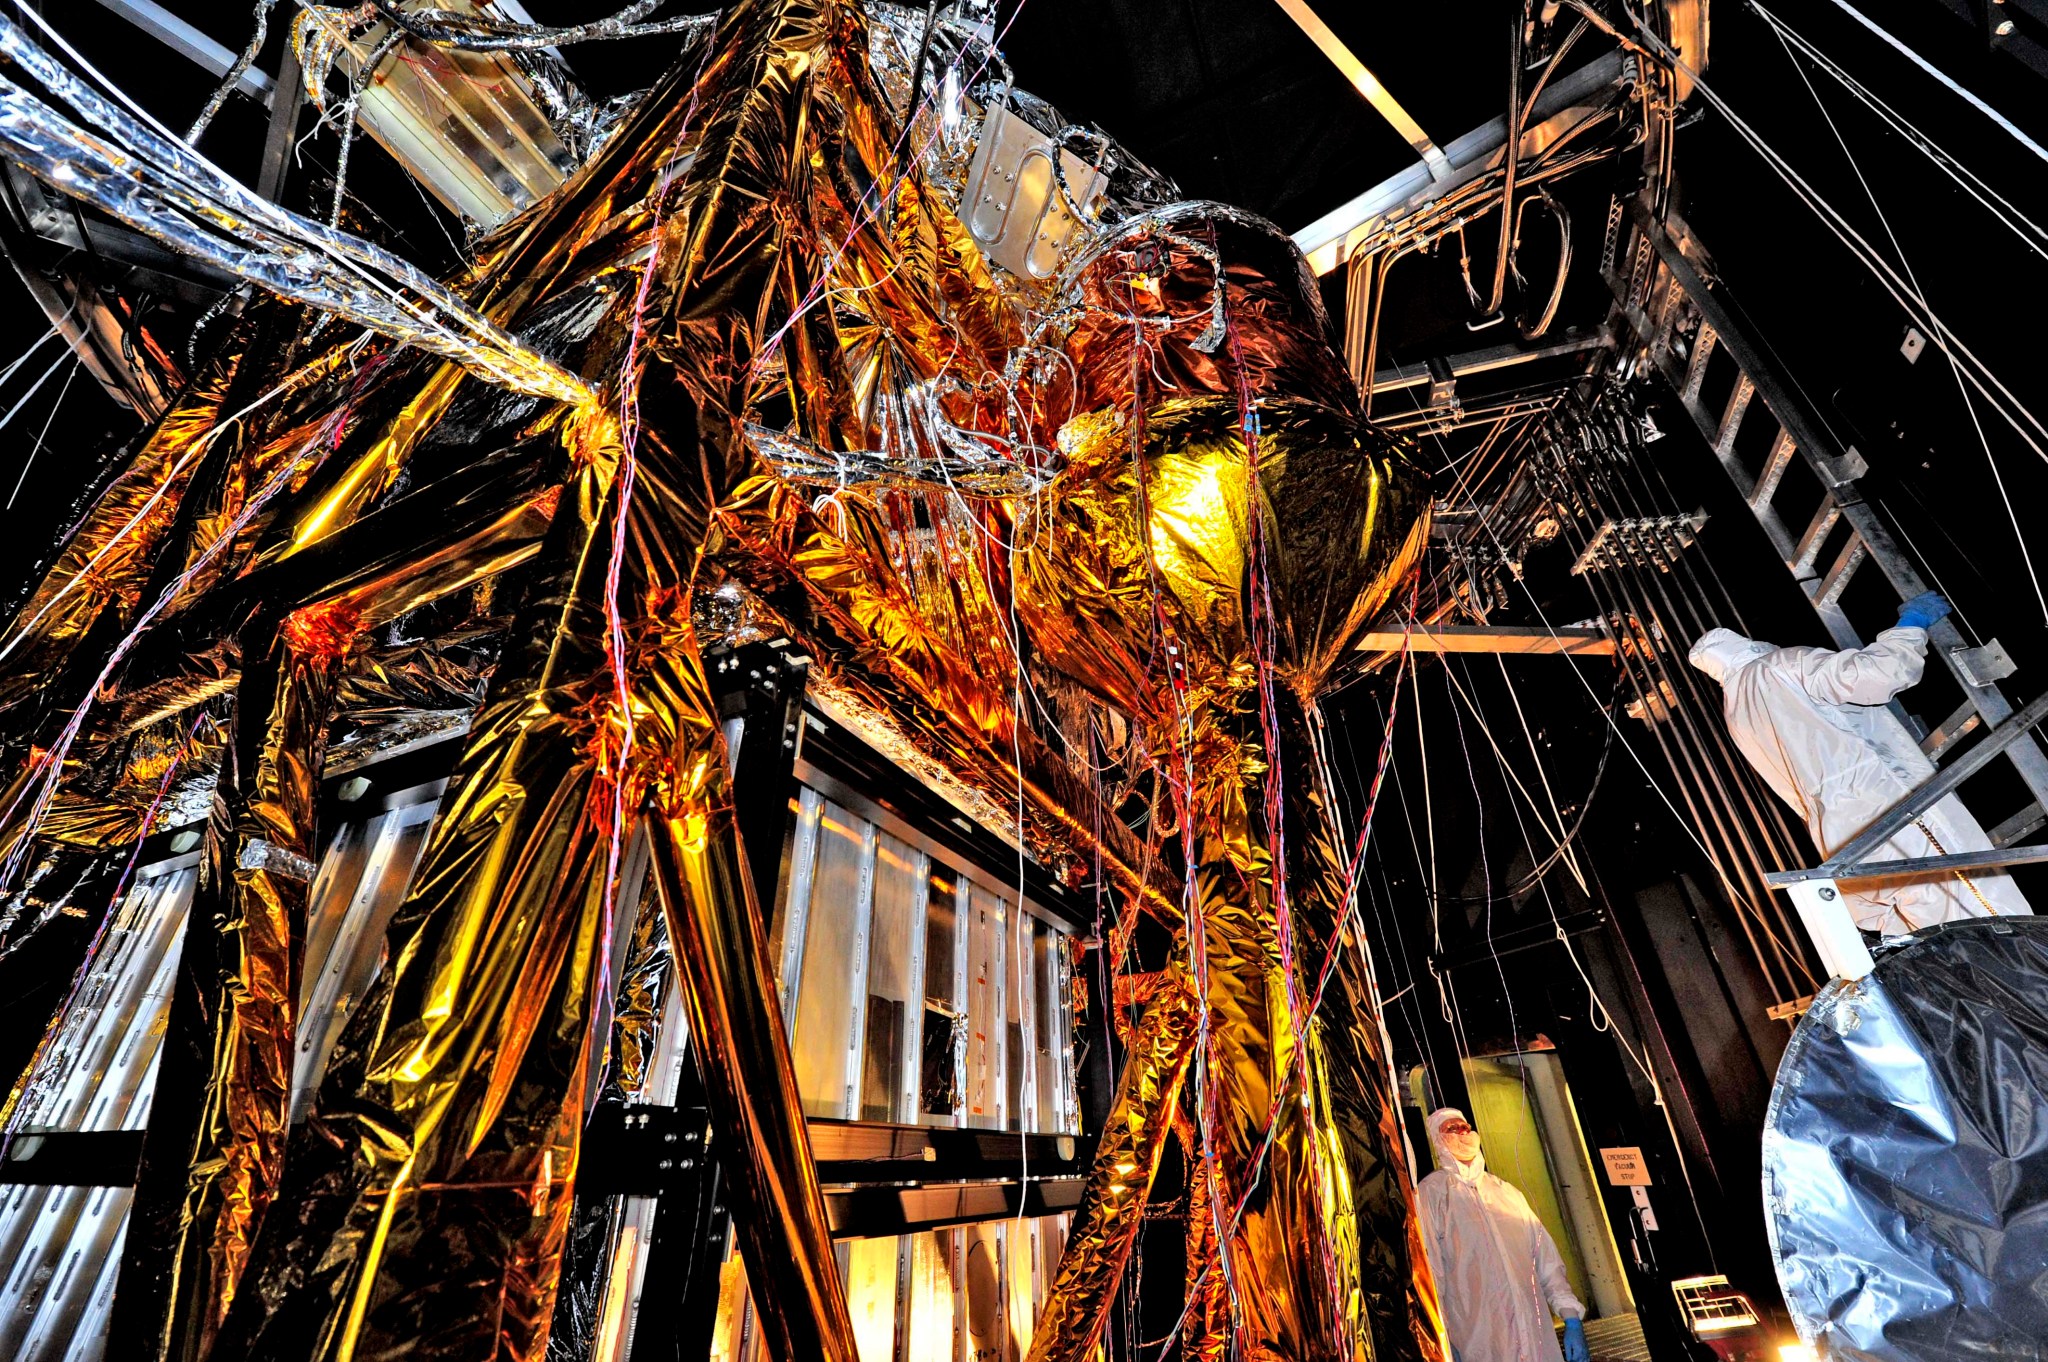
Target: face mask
x=1463, y=1147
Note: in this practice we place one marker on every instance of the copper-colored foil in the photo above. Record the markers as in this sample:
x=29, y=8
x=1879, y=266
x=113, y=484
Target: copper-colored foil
x=752, y=247
x=243, y=944
x=1134, y=1138
x=1145, y=560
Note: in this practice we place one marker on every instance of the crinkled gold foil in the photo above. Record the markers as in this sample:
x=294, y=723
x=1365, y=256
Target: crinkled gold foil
x=751, y=243
x=259, y=904
x=1112, y=1211
x=1219, y=481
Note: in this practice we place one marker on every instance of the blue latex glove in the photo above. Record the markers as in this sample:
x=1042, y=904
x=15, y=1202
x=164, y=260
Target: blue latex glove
x=1923, y=610
x=1575, y=1342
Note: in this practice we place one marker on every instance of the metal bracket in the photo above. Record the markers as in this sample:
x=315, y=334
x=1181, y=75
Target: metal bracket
x=1842, y=470
x=1828, y=925
x=1982, y=666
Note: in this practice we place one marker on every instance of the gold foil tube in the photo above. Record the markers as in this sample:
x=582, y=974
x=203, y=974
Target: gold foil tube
x=438, y=1161
x=1391, y=1308
x=743, y=1052
x=903, y=655
x=1205, y=1327
x=453, y=1127
x=374, y=469
x=111, y=553
x=1112, y=1211
x=1278, y=1257
x=236, y=1159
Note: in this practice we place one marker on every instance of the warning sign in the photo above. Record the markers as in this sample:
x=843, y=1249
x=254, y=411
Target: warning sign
x=1625, y=1167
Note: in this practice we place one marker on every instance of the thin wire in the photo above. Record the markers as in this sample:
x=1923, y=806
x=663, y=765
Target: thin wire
x=1903, y=293
x=35, y=388
x=1969, y=404
x=1927, y=566
x=1485, y=864
x=323, y=440
x=1968, y=180
x=43, y=434
x=1601, y=1018
x=1347, y=907
x=1994, y=115
x=38, y=344
x=1473, y=709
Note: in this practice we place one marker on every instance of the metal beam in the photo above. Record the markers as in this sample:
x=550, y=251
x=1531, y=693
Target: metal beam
x=868, y=1152
x=1463, y=638
x=1326, y=240
x=188, y=41
x=283, y=132
x=871, y=1212
x=1486, y=361
x=1838, y=471
x=1929, y=792
x=1366, y=83
x=1995, y=859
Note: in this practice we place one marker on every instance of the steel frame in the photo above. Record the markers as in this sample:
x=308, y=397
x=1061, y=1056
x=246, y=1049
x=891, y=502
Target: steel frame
x=1664, y=261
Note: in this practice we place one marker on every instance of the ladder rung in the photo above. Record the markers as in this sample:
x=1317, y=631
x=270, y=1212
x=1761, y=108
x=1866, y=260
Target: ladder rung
x=1846, y=562
x=1780, y=458
x=1965, y=721
x=1804, y=432
x=1808, y=551
x=1674, y=303
x=2025, y=823
x=1696, y=364
x=1731, y=416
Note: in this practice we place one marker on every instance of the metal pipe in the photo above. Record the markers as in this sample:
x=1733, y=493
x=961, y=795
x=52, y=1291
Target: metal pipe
x=1715, y=765
x=1710, y=818
x=1998, y=858
x=1564, y=263
x=1512, y=154
x=1763, y=805
x=1367, y=84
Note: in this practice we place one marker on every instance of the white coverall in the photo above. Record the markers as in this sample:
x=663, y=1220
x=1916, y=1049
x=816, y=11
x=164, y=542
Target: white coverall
x=1498, y=1275
x=1813, y=723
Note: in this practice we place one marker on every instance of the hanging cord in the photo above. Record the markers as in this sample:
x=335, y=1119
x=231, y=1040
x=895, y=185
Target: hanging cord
x=1485, y=864
x=1601, y=1018
x=1994, y=115
x=1649, y=777
x=1453, y=684
x=2032, y=234
x=2017, y=415
x=1390, y=928
x=233, y=78
x=1557, y=853
x=1955, y=369
x=44, y=433
x=1670, y=722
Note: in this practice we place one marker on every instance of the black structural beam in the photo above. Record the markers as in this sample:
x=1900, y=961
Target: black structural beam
x=73, y=1158
x=854, y=1151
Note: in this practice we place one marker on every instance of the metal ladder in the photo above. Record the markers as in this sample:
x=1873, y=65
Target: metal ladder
x=1663, y=300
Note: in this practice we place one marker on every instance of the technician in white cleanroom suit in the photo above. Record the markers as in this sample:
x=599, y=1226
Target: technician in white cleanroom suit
x=1497, y=1272
x=1813, y=722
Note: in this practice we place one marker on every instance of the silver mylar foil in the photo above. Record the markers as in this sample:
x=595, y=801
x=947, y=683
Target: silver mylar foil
x=156, y=184
x=1906, y=1153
